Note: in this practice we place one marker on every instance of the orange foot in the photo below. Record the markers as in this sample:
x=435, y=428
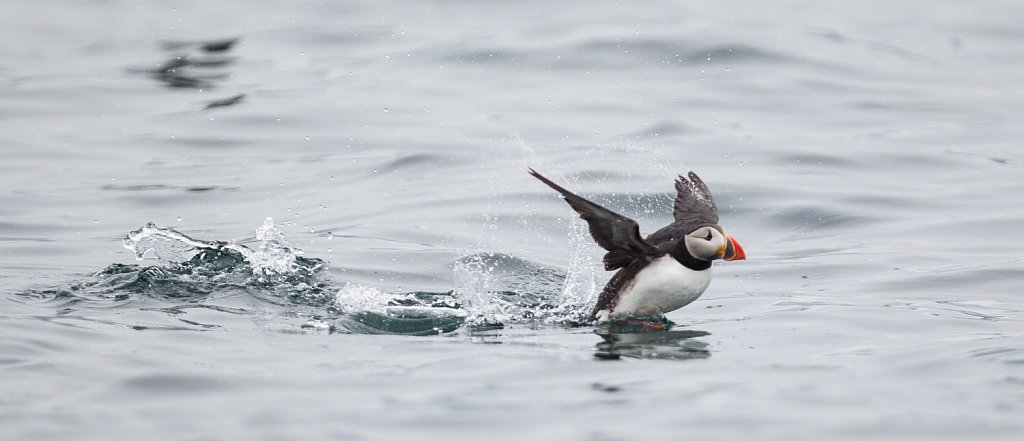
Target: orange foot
x=641, y=325
x=654, y=326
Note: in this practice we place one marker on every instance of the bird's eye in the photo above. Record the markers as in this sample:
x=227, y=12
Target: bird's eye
x=708, y=237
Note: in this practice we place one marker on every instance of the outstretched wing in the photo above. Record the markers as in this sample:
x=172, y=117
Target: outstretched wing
x=614, y=232
x=694, y=207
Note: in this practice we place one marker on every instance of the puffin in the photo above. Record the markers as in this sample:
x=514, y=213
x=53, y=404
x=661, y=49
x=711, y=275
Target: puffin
x=664, y=271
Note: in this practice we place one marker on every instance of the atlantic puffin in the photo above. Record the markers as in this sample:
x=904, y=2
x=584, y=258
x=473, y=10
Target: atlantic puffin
x=664, y=271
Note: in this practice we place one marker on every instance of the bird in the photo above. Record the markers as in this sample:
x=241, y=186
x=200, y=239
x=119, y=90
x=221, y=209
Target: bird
x=664, y=271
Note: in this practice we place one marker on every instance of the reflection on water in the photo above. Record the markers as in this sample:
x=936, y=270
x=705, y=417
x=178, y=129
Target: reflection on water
x=197, y=65
x=641, y=340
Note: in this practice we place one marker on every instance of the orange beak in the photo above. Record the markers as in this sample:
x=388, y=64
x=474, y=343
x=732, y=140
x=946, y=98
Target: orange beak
x=733, y=251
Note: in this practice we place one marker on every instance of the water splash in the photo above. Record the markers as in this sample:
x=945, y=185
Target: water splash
x=272, y=258
x=165, y=245
x=353, y=298
x=497, y=288
x=368, y=310
x=272, y=281
x=475, y=287
x=580, y=290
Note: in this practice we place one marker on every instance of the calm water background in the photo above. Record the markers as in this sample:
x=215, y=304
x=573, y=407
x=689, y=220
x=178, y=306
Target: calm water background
x=867, y=155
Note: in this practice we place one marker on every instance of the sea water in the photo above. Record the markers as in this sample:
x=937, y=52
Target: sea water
x=413, y=281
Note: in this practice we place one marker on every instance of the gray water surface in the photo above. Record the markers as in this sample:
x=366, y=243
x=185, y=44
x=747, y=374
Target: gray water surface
x=868, y=156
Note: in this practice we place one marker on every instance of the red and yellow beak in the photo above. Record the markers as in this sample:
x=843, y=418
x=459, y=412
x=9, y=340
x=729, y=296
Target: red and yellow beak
x=733, y=250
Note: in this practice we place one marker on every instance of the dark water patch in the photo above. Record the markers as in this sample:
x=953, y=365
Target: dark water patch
x=166, y=187
x=1001, y=160
x=663, y=129
x=675, y=52
x=602, y=52
x=831, y=35
x=414, y=161
x=220, y=45
x=401, y=321
x=176, y=384
x=184, y=69
x=196, y=65
x=369, y=311
x=1005, y=354
x=897, y=105
x=189, y=71
x=169, y=327
x=225, y=102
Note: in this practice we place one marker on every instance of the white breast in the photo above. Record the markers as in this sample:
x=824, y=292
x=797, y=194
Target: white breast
x=662, y=286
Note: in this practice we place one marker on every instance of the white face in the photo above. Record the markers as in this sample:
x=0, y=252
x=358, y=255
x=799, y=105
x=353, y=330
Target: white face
x=706, y=243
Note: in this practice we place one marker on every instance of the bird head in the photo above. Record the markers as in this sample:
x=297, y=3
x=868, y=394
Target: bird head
x=711, y=242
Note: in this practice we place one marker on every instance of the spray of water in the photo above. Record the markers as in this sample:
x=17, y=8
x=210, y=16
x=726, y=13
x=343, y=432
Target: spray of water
x=272, y=257
x=491, y=289
x=475, y=288
x=580, y=290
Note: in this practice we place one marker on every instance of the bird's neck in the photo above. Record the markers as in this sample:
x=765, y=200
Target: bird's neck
x=683, y=256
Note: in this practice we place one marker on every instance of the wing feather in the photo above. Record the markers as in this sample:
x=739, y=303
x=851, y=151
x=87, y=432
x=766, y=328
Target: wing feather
x=614, y=232
x=694, y=206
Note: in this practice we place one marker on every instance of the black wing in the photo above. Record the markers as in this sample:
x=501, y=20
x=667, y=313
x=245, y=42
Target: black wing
x=694, y=207
x=614, y=232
